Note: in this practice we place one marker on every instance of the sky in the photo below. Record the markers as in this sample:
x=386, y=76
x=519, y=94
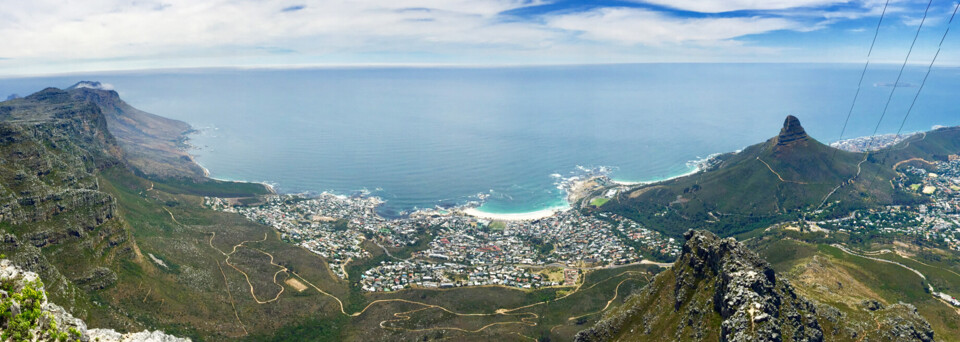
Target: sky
x=40, y=37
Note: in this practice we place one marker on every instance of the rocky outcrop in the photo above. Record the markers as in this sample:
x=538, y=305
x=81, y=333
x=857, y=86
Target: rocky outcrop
x=791, y=133
x=720, y=290
x=747, y=295
x=50, y=148
x=21, y=290
x=715, y=279
x=901, y=322
x=107, y=335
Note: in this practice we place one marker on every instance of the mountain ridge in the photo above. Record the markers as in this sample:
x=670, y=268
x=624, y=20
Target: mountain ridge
x=720, y=290
x=760, y=185
x=65, y=214
x=154, y=145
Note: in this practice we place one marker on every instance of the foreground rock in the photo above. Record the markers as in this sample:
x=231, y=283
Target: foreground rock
x=25, y=314
x=720, y=290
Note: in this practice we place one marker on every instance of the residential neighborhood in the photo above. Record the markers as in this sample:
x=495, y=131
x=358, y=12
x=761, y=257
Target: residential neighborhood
x=462, y=250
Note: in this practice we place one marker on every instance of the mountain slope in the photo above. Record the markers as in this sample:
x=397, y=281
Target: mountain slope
x=759, y=185
x=857, y=285
x=107, y=243
x=720, y=290
x=154, y=145
x=56, y=219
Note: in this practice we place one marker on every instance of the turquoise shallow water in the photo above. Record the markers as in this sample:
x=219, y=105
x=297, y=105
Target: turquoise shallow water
x=422, y=137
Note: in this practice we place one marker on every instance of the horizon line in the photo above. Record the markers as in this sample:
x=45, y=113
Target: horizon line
x=331, y=66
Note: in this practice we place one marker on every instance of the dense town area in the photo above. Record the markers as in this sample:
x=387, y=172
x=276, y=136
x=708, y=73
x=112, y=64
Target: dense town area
x=448, y=248
x=935, y=222
x=869, y=143
x=462, y=250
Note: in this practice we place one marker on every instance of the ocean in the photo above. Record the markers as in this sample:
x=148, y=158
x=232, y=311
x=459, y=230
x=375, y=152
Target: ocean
x=436, y=136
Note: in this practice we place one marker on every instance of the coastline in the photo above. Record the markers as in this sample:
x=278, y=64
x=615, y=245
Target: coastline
x=631, y=183
x=575, y=188
x=206, y=172
x=528, y=216
x=696, y=166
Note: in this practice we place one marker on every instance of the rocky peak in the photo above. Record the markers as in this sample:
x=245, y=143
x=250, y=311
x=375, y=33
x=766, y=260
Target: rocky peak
x=746, y=292
x=791, y=133
x=102, y=96
x=714, y=280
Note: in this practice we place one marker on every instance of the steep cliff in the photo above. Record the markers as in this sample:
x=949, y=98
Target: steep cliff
x=153, y=145
x=56, y=219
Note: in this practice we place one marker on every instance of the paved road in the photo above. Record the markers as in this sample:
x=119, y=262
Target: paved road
x=845, y=250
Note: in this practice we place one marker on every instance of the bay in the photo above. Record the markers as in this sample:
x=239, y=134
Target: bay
x=428, y=136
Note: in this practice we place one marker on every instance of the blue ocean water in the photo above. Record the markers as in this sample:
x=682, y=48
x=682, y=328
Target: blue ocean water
x=422, y=137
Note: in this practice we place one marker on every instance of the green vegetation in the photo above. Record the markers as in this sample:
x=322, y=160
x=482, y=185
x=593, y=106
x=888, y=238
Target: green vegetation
x=340, y=225
x=207, y=187
x=943, y=279
x=21, y=327
x=762, y=185
x=829, y=275
x=599, y=201
x=310, y=329
x=140, y=252
x=424, y=237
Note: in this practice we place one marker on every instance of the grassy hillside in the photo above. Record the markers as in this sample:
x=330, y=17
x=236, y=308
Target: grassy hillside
x=767, y=183
x=849, y=283
x=721, y=290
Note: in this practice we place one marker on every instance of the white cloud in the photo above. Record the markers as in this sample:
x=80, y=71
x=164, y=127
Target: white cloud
x=112, y=28
x=43, y=36
x=640, y=26
x=718, y=6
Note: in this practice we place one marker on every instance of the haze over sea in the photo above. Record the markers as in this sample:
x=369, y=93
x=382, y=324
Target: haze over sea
x=421, y=137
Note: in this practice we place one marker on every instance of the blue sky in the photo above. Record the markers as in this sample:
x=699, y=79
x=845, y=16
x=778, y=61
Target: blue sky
x=53, y=36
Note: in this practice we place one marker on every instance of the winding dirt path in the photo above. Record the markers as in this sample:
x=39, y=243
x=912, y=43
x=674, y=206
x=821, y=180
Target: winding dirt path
x=526, y=317
x=778, y=175
x=849, y=181
x=845, y=250
x=172, y=217
x=230, y=295
x=616, y=292
x=225, y=283
x=878, y=327
x=245, y=275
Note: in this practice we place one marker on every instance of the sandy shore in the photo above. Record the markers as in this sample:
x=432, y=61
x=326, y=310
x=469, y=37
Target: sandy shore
x=533, y=215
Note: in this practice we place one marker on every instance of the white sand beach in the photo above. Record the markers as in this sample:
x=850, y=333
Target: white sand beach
x=533, y=215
